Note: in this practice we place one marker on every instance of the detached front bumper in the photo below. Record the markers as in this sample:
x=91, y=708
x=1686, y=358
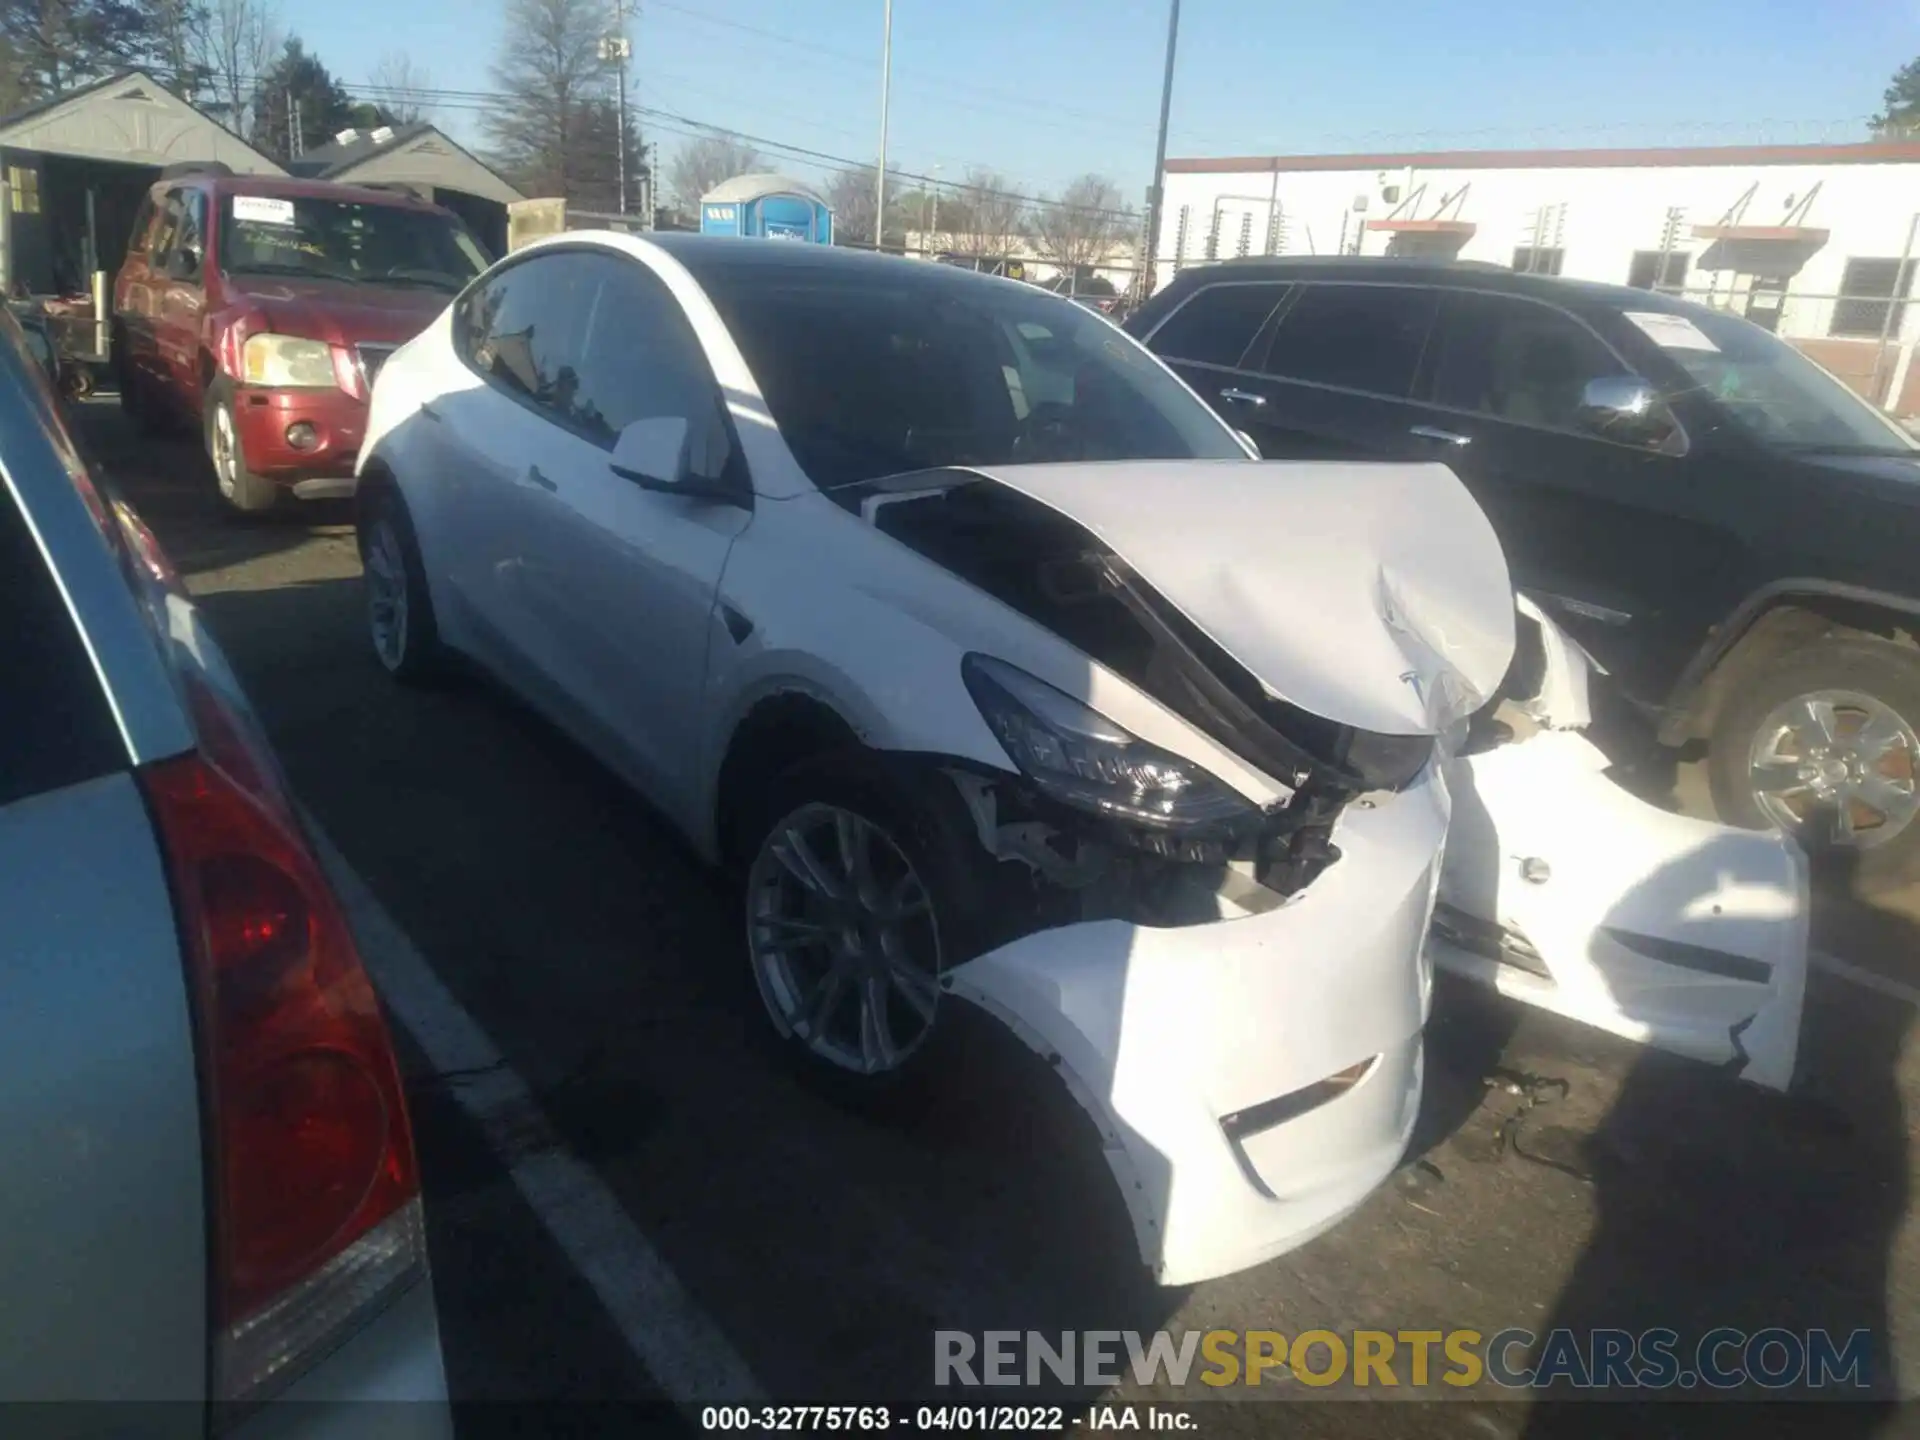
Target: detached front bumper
x=266, y=420
x=1253, y=1079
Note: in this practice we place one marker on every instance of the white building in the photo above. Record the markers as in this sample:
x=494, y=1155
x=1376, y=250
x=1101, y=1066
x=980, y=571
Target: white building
x=1806, y=239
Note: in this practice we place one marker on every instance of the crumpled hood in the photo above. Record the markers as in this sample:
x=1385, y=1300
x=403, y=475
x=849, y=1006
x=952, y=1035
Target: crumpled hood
x=1371, y=594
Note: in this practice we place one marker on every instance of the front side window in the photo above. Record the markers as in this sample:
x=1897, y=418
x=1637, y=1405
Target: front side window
x=1356, y=337
x=1517, y=360
x=520, y=329
x=874, y=376
x=1216, y=325
x=1767, y=388
x=639, y=358
x=345, y=240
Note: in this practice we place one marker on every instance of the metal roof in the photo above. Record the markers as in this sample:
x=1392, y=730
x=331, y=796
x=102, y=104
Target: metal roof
x=1873, y=152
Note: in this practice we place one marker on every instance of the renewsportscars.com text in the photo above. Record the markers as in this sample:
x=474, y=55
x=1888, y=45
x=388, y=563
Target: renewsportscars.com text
x=1514, y=1359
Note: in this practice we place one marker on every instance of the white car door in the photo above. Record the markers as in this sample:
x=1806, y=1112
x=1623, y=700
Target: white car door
x=1562, y=890
x=625, y=574
x=494, y=441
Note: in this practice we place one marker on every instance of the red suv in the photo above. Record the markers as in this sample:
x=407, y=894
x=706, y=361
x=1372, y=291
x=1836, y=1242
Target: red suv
x=261, y=309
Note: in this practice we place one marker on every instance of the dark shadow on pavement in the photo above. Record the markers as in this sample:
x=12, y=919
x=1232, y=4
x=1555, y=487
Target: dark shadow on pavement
x=168, y=480
x=1723, y=1205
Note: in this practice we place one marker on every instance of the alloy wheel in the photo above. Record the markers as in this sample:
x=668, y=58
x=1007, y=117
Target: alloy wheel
x=226, y=449
x=843, y=940
x=386, y=581
x=1841, y=754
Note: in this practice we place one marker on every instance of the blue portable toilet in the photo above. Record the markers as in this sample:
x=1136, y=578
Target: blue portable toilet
x=772, y=207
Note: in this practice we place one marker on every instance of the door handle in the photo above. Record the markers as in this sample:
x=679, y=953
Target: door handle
x=533, y=474
x=1243, y=397
x=1445, y=437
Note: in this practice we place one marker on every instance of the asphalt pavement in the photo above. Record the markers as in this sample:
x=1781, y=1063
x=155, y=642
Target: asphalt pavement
x=631, y=1200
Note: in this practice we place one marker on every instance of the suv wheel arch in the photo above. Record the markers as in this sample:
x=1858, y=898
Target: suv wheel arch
x=1773, y=621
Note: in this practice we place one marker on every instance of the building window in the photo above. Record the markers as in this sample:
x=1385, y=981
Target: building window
x=23, y=185
x=1539, y=260
x=1866, y=287
x=1646, y=272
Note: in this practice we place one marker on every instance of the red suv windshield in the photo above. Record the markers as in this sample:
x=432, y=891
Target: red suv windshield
x=347, y=240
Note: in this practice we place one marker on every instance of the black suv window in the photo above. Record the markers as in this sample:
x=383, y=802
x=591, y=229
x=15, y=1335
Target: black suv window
x=1358, y=337
x=1517, y=360
x=519, y=328
x=1216, y=325
x=57, y=729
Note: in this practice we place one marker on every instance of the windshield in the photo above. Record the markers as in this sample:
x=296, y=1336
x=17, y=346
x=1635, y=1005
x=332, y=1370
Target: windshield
x=875, y=377
x=345, y=240
x=1770, y=390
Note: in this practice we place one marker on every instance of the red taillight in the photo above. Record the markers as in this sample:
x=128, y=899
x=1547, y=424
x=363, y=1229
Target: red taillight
x=315, y=1188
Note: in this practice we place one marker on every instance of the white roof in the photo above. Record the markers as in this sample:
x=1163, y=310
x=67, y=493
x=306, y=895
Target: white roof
x=753, y=187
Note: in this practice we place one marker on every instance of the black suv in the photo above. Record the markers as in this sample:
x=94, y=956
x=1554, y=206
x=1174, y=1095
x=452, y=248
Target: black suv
x=1728, y=530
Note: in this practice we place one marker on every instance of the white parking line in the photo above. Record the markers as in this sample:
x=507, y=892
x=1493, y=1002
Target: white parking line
x=682, y=1349
x=1866, y=979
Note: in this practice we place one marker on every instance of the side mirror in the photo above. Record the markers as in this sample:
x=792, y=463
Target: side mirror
x=654, y=455
x=183, y=264
x=1625, y=408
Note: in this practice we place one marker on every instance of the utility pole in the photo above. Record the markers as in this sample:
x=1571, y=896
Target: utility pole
x=880, y=175
x=617, y=50
x=1156, y=197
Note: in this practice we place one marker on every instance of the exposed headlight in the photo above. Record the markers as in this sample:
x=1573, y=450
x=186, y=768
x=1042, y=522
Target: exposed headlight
x=287, y=360
x=1078, y=756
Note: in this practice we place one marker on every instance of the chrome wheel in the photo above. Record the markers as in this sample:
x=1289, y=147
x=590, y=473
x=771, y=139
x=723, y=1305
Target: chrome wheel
x=386, y=581
x=1837, y=753
x=841, y=934
x=226, y=451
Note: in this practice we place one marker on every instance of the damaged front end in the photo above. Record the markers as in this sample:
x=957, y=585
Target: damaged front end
x=1108, y=825
x=1232, y=983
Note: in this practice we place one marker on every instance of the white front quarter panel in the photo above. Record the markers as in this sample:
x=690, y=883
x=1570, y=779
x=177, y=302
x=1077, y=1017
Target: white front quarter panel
x=1675, y=932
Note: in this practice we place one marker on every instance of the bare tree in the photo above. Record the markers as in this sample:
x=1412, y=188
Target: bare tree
x=1083, y=226
x=236, y=43
x=552, y=79
x=850, y=194
x=400, y=88
x=994, y=210
x=701, y=164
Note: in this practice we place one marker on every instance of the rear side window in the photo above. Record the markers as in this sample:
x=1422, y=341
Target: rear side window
x=55, y=726
x=1215, y=326
x=173, y=212
x=1356, y=337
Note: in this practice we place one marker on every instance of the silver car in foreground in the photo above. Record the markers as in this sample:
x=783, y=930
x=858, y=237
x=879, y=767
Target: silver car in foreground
x=211, y=1203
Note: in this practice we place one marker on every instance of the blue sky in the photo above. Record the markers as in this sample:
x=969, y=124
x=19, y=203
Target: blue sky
x=1043, y=90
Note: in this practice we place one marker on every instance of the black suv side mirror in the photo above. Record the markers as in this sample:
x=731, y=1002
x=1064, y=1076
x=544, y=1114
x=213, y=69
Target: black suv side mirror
x=1627, y=409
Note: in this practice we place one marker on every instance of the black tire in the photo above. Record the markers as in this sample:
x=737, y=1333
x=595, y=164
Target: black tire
x=925, y=826
x=135, y=402
x=1878, y=670
x=412, y=653
x=244, y=492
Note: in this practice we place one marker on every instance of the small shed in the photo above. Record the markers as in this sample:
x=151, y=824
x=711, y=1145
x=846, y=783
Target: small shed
x=77, y=166
x=774, y=207
x=420, y=158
